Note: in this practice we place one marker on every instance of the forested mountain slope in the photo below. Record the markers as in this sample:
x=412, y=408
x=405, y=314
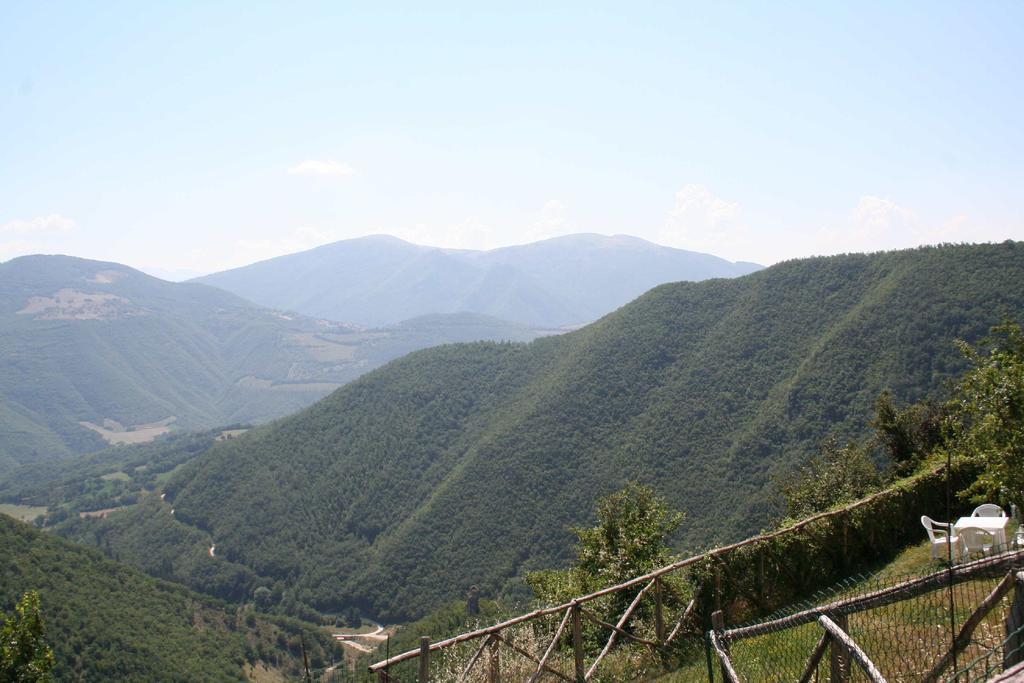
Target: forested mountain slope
x=107, y=621
x=468, y=464
x=557, y=282
x=91, y=348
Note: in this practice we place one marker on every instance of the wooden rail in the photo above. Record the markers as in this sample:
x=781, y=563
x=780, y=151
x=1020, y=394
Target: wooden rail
x=648, y=580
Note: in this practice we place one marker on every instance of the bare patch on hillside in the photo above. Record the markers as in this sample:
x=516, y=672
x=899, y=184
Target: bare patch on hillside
x=72, y=304
x=230, y=434
x=101, y=514
x=253, y=382
x=321, y=347
x=113, y=432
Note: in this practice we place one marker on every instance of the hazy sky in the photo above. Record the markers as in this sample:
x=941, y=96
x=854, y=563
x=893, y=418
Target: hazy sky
x=208, y=135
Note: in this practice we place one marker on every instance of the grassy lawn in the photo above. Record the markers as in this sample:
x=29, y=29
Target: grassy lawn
x=25, y=513
x=164, y=476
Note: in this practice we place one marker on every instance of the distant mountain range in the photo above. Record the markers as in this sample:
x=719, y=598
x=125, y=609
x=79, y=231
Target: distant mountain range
x=96, y=352
x=380, y=280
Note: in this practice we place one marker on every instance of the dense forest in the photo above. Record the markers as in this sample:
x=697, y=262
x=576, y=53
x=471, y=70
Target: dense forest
x=468, y=464
x=107, y=621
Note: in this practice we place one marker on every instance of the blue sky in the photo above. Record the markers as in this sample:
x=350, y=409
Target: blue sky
x=195, y=137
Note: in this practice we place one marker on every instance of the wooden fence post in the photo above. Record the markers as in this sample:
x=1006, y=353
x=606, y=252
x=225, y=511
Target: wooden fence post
x=718, y=588
x=577, y=643
x=1013, y=650
x=494, y=662
x=424, y=659
x=761, y=591
x=846, y=541
x=707, y=652
x=718, y=624
x=659, y=616
x=839, y=654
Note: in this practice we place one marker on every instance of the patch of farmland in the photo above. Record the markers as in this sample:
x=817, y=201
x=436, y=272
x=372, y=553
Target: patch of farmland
x=113, y=433
x=25, y=513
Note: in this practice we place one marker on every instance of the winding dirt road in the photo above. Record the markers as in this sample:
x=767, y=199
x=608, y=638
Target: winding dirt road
x=346, y=639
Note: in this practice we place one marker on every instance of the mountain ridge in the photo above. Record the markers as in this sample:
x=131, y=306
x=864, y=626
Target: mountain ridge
x=380, y=279
x=467, y=464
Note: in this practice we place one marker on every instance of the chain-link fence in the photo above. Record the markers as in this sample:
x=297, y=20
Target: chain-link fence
x=907, y=627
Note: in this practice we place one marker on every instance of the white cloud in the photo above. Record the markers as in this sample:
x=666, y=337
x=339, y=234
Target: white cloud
x=40, y=234
x=874, y=215
x=321, y=168
x=874, y=224
x=52, y=223
x=700, y=220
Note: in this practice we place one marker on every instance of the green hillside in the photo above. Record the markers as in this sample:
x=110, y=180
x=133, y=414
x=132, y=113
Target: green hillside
x=468, y=464
x=133, y=356
x=106, y=621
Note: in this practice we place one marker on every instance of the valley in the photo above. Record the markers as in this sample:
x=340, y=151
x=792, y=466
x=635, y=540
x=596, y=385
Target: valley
x=468, y=464
x=366, y=342
x=133, y=350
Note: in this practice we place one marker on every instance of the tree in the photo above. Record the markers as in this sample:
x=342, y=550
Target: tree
x=987, y=420
x=839, y=474
x=263, y=598
x=909, y=435
x=24, y=655
x=630, y=539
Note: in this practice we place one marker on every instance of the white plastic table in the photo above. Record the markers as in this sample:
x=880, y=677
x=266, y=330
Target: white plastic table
x=994, y=525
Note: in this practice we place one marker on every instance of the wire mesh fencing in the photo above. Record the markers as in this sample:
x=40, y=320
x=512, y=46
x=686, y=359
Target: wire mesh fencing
x=913, y=628
x=987, y=665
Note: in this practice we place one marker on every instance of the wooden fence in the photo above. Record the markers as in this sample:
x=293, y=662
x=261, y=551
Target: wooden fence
x=650, y=586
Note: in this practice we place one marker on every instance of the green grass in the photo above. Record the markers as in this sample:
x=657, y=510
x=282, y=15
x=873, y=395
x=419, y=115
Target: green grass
x=162, y=478
x=24, y=513
x=903, y=639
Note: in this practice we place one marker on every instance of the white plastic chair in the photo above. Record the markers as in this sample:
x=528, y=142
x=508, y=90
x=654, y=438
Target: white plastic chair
x=977, y=541
x=939, y=535
x=988, y=510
